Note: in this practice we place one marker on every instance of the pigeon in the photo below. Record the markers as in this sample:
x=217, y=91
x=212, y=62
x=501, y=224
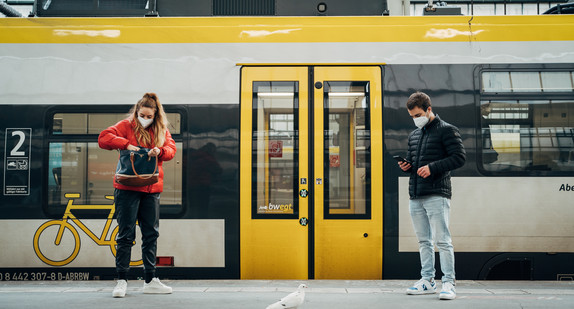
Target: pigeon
x=292, y=300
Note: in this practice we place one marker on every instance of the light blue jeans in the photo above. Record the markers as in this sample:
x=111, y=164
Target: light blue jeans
x=430, y=216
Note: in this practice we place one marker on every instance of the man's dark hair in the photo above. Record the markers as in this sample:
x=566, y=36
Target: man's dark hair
x=420, y=100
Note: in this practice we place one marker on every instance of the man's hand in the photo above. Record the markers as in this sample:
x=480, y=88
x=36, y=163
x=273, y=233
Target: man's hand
x=404, y=165
x=424, y=171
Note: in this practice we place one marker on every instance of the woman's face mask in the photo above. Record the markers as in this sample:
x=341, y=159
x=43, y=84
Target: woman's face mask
x=145, y=122
x=146, y=116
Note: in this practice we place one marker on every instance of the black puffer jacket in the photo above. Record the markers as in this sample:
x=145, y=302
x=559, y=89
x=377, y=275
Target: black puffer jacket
x=439, y=145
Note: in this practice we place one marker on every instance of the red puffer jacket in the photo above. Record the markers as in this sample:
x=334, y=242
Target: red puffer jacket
x=120, y=135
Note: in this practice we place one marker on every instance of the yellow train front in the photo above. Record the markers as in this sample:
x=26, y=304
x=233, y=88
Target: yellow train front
x=286, y=128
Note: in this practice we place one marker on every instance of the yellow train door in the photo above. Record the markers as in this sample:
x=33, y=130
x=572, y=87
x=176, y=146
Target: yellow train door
x=311, y=172
x=273, y=164
x=348, y=170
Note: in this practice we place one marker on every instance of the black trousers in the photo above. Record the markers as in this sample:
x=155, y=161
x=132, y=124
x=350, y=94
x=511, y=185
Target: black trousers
x=143, y=207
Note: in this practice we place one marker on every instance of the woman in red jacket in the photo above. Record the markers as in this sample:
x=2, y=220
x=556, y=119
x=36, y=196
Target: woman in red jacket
x=146, y=126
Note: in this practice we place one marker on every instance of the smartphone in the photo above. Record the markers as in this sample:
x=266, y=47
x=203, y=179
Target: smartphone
x=401, y=159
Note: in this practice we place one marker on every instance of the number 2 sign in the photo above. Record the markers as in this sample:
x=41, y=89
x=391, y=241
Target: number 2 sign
x=17, y=161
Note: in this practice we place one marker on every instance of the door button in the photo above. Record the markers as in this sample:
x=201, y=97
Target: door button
x=304, y=221
x=318, y=85
x=365, y=235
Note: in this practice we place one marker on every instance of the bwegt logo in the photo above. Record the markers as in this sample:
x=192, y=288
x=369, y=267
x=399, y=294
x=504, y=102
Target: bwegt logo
x=283, y=207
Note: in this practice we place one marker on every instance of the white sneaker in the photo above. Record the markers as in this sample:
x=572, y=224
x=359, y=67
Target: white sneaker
x=156, y=287
x=422, y=287
x=120, y=289
x=448, y=291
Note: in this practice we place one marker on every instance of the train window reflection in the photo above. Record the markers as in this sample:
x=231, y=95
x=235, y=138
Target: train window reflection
x=505, y=82
x=347, y=149
x=94, y=123
x=76, y=164
x=275, y=152
x=520, y=135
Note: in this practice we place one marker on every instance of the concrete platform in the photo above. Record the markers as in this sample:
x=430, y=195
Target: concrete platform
x=260, y=293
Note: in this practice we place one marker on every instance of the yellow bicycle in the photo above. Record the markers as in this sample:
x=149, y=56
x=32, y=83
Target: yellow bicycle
x=65, y=224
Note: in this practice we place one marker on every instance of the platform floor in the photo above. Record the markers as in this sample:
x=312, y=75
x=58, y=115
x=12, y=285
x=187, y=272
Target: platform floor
x=260, y=293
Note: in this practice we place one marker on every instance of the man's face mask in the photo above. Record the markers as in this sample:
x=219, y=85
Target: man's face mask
x=421, y=121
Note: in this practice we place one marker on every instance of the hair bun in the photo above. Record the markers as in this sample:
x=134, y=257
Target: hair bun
x=151, y=95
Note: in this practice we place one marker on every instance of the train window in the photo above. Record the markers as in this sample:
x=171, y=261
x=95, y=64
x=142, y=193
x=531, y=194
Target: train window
x=504, y=82
x=275, y=152
x=94, y=123
x=76, y=164
x=346, y=149
x=527, y=135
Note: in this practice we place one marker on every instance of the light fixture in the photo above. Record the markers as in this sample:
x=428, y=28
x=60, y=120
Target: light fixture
x=346, y=94
x=276, y=94
x=322, y=7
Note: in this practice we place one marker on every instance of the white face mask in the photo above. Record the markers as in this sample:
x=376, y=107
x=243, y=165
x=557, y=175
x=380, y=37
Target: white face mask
x=421, y=121
x=145, y=122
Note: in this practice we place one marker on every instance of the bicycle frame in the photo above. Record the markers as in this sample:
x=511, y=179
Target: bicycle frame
x=69, y=215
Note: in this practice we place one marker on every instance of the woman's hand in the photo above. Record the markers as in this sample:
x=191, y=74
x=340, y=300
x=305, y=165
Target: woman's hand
x=132, y=147
x=154, y=152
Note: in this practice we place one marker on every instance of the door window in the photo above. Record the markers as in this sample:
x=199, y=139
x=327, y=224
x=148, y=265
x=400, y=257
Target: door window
x=275, y=152
x=347, y=168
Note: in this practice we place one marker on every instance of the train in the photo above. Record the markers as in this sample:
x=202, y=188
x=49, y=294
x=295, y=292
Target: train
x=286, y=128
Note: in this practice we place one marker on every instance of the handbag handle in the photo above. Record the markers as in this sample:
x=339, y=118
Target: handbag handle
x=134, y=169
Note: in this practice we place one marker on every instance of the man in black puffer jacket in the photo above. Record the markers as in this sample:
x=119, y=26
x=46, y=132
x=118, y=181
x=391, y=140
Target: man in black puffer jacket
x=434, y=149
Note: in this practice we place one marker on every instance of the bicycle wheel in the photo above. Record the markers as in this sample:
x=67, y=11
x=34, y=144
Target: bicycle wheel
x=113, y=247
x=49, y=251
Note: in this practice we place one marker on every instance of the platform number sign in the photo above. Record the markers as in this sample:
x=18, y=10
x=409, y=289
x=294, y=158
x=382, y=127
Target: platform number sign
x=17, y=161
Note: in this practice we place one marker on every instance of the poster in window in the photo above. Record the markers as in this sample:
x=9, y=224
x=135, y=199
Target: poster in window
x=275, y=149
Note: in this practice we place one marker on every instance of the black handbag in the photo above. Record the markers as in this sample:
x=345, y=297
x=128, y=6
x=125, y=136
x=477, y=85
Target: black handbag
x=136, y=168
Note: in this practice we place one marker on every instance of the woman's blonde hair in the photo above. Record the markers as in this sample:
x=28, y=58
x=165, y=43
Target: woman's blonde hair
x=159, y=125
